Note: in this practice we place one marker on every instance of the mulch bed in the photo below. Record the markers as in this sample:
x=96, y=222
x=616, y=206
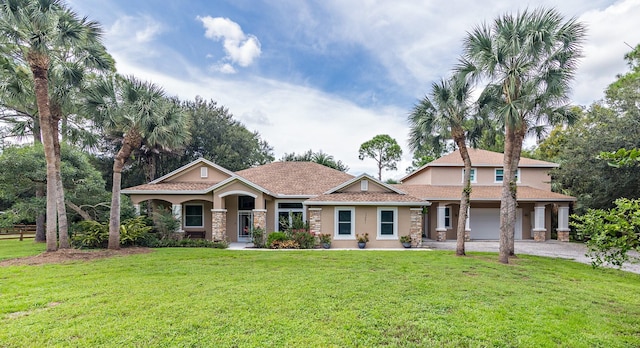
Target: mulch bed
x=71, y=255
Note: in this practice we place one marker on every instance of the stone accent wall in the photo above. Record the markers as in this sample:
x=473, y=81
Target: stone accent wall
x=540, y=236
x=315, y=221
x=219, y=225
x=415, y=229
x=467, y=236
x=442, y=236
x=260, y=218
x=563, y=236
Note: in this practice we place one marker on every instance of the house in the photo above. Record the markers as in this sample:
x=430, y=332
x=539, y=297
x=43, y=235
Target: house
x=440, y=182
x=218, y=204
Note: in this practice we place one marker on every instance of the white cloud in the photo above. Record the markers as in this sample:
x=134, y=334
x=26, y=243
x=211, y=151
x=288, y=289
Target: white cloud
x=241, y=49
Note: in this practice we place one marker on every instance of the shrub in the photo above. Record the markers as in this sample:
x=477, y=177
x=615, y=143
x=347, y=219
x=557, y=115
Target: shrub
x=135, y=232
x=165, y=223
x=324, y=238
x=405, y=239
x=257, y=237
x=187, y=243
x=90, y=234
x=284, y=244
x=304, y=239
x=276, y=236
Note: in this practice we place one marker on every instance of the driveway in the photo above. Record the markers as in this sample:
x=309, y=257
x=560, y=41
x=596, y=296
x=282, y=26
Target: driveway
x=551, y=248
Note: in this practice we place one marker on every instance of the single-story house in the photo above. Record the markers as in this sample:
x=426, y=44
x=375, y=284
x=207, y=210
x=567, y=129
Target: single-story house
x=219, y=204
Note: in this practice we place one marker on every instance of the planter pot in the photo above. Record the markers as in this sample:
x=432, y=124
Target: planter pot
x=361, y=245
x=406, y=245
x=326, y=245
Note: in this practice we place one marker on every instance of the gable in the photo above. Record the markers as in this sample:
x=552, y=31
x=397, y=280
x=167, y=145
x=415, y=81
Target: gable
x=365, y=185
x=199, y=173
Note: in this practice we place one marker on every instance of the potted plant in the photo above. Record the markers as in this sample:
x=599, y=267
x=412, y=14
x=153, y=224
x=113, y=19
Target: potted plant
x=362, y=240
x=325, y=240
x=406, y=241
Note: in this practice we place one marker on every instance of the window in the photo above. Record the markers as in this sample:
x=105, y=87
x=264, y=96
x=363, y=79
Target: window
x=246, y=203
x=447, y=217
x=289, y=214
x=204, y=172
x=473, y=175
x=345, y=224
x=193, y=216
x=500, y=175
x=387, y=223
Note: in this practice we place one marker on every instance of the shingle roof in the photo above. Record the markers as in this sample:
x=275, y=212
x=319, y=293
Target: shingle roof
x=295, y=178
x=484, y=158
x=365, y=197
x=173, y=186
x=480, y=193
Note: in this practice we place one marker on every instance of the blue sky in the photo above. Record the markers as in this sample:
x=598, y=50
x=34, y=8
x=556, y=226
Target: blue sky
x=329, y=75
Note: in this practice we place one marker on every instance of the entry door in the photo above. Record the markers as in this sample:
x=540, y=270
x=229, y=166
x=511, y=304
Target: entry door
x=245, y=225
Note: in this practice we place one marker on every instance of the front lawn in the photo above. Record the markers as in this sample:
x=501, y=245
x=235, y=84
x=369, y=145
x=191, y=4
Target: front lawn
x=13, y=248
x=223, y=298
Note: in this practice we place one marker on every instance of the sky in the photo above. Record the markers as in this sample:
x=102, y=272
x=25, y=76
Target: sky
x=330, y=75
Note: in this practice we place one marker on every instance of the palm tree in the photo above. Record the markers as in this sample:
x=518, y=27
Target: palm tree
x=529, y=60
x=133, y=111
x=447, y=114
x=40, y=34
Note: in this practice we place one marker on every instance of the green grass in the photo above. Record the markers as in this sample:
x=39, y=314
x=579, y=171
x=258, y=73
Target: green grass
x=224, y=298
x=13, y=248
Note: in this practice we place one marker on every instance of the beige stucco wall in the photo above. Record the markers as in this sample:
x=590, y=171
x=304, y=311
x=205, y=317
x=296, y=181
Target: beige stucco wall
x=219, y=203
x=534, y=177
x=366, y=221
x=231, y=204
x=193, y=175
x=372, y=187
x=422, y=178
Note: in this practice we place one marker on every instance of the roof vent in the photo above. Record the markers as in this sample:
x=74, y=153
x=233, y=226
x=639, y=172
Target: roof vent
x=204, y=172
x=364, y=185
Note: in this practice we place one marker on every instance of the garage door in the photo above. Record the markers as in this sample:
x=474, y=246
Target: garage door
x=485, y=223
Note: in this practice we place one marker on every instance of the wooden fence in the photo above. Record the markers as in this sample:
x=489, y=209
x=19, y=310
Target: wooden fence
x=20, y=232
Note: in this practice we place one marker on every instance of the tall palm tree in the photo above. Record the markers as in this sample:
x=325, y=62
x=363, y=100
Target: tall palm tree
x=447, y=113
x=529, y=60
x=31, y=32
x=133, y=111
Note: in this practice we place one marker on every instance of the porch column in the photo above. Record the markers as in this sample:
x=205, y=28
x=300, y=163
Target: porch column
x=136, y=207
x=260, y=218
x=563, y=223
x=176, y=210
x=415, y=228
x=441, y=229
x=219, y=225
x=539, y=230
x=467, y=225
x=315, y=221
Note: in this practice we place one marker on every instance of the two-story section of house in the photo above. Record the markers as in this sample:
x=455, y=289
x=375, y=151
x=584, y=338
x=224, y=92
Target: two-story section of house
x=441, y=182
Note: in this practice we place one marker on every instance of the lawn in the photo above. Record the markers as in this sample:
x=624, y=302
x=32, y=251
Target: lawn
x=223, y=298
x=15, y=248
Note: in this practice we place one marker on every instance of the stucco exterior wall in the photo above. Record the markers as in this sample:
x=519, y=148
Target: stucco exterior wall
x=535, y=177
x=193, y=175
x=173, y=199
x=372, y=187
x=422, y=178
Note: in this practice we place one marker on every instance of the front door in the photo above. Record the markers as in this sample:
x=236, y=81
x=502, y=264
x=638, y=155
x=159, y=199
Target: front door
x=245, y=225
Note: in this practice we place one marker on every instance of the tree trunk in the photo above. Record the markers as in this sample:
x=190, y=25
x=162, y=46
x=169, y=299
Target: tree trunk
x=507, y=227
x=40, y=218
x=83, y=214
x=515, y=161
x=39, y=65
x=63, y=229
x=131, y=140
x=466, y=195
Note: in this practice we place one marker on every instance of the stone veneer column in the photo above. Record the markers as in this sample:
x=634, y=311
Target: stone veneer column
x=539, y=231
x=315, y=221
x=218, y=225
x=563, y=223
x=441, y=228
x=260, y=221
x=415, y=229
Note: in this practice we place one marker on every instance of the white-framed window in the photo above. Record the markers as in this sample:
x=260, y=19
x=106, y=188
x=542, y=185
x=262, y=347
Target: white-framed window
x=387, y=223
x=345, y=223
x=287, y=212
x=499, y=175
x=193, y=215
x=204, y=172
x=474, y=178
x=447, y=217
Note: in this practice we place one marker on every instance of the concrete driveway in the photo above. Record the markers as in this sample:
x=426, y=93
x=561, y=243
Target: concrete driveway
x=552, y=248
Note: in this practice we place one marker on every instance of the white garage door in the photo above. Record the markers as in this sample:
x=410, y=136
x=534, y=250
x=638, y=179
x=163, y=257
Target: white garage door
x=485, y=223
